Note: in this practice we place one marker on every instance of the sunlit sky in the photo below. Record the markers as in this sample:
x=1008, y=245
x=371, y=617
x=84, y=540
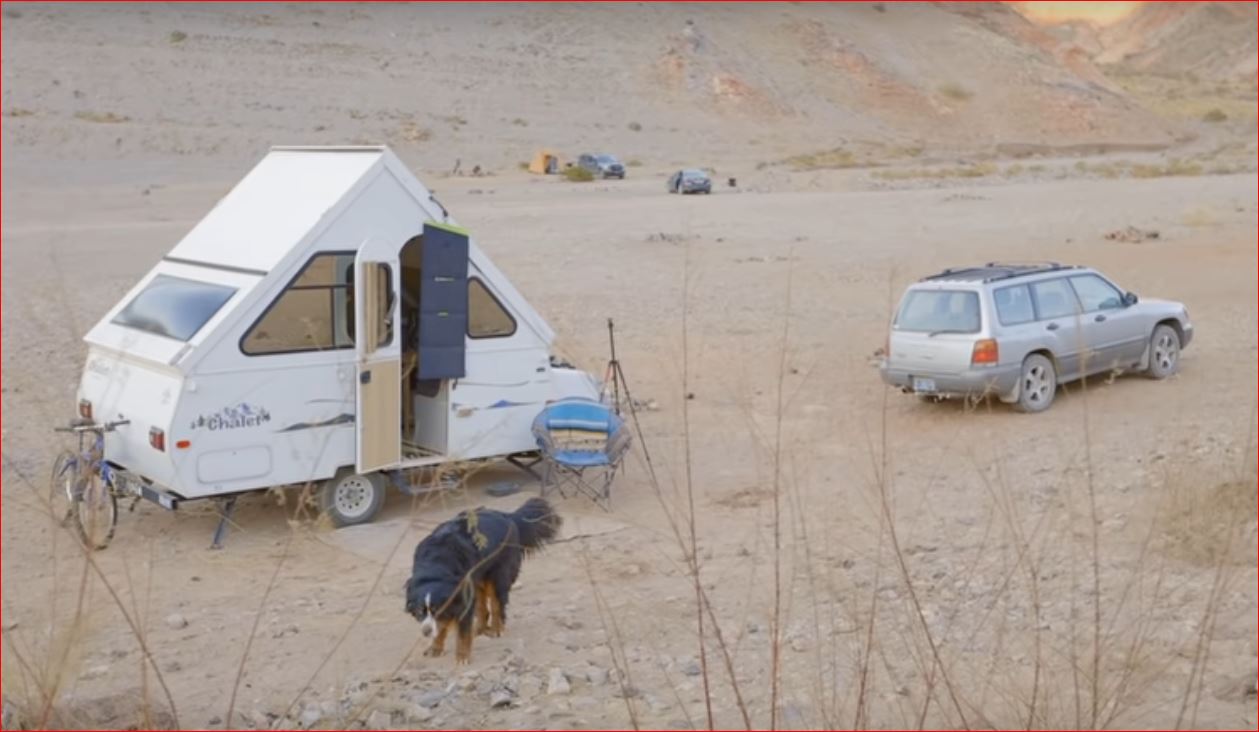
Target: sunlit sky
x=1098, y=13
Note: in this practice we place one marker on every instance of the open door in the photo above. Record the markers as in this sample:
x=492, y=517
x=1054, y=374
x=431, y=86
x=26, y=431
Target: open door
x=378, y=426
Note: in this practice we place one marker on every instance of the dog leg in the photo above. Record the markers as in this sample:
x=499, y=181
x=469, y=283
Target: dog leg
x=463, y=647
x=439, y=643
x=485, y=591
x=496, y=612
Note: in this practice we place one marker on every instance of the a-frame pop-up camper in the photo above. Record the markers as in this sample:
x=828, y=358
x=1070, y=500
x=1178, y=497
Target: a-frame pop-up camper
x=327, y=321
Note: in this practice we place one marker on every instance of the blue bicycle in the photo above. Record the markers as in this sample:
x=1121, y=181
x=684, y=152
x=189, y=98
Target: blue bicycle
x=84, y=489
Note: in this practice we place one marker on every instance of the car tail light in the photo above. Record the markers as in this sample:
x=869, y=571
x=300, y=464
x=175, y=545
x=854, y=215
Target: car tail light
x=85, y=409
x=157, y=439
x=985, y=352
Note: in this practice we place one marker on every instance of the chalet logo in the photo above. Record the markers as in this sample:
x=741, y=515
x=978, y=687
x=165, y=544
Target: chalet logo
x=232, y=418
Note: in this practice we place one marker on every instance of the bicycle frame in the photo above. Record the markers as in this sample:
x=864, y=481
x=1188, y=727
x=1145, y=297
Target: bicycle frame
x=91, y=460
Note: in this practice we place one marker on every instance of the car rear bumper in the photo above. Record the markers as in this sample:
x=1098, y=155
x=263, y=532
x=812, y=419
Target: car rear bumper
x=999, y=381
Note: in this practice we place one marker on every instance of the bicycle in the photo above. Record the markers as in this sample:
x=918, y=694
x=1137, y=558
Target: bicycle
x=84, y=488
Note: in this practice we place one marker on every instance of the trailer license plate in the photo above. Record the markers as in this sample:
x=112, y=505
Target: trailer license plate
x=927, y=386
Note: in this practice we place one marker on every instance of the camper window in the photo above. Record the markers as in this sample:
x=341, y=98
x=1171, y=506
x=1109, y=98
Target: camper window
x=487, y=318
x=314, y=313
x=174, y=307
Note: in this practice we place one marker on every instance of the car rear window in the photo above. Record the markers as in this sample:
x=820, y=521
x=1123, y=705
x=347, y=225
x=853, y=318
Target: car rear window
x=174, y=307
x=1014, y=305
x=939, y=311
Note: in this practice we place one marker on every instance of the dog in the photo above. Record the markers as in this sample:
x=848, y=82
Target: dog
x=464, y=571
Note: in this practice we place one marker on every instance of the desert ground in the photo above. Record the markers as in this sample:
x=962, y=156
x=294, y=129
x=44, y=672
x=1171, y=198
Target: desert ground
x=891, y=562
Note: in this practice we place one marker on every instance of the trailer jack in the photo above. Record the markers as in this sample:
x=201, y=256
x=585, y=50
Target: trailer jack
x=226, y=506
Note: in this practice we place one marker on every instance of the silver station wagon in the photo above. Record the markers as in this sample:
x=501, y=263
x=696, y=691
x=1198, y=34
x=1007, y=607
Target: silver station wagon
x=1016, y=331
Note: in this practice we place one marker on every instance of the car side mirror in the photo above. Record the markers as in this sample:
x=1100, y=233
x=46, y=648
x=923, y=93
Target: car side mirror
x=1129, y=299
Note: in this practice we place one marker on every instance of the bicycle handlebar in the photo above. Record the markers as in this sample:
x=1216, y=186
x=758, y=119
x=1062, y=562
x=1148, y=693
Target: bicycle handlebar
x=107, y=427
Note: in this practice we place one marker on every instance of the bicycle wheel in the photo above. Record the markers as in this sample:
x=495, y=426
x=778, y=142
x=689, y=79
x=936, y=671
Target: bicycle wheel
x=96, y=512
x=61, y=487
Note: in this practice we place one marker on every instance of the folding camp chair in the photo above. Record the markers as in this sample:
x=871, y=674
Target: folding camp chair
x=582, y=442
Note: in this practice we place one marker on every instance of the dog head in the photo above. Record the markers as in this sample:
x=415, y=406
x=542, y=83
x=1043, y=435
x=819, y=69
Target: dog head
x=430, y=601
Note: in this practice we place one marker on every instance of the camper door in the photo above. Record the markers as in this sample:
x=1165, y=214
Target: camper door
x=378, y=425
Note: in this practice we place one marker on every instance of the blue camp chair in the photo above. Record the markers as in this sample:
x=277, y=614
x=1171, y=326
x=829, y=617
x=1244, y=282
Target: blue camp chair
x=582, y=442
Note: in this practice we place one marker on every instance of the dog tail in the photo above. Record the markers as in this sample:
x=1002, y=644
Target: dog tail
x=536, y=523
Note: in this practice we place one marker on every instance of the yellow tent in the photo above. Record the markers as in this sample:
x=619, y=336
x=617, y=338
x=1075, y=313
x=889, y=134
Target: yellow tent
x=545, y=162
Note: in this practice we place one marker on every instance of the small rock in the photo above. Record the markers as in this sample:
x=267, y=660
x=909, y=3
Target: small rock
x=557, y=683
x=511, y=682
x=500, y=698
x=797, y=644
x=596, y=676
x=287, y=630
x=172, y=667
x=379, y=720
x=691, y=667
x=418, y=714
x=176, y=621
x=309, y=716
x=213, y=722
x=627, y=691
x=9, y=625
x=468, y=681
x=753, y=628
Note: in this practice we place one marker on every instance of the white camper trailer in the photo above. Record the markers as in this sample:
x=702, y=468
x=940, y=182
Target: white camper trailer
x=327, y=321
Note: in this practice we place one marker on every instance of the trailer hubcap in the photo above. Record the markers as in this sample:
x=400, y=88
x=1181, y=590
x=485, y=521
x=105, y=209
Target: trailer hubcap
x=353, y=496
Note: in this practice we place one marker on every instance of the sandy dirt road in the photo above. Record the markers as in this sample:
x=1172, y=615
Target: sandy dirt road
x=961, y=486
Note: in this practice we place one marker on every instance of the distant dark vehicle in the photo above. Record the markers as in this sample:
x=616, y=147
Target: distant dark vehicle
x=602, y=165
x=690, y=180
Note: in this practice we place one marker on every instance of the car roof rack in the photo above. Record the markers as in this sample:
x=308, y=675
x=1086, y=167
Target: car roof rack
x=994, y=271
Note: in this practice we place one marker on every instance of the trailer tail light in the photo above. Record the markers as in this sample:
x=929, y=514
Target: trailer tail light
x=157, y=439
x=183, y=444
x=85, y=409
x=985, y=352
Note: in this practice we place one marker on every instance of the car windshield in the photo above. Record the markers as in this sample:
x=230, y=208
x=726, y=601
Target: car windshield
x=939, y=311
x=605, y=159
x=693, y=174
x=174, y=307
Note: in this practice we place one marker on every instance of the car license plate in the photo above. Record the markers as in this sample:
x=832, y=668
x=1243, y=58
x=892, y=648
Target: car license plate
x=924, y=385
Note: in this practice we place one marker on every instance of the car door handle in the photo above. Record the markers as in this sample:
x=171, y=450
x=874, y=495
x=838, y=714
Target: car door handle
x=1051, y=326
x=1099, y=318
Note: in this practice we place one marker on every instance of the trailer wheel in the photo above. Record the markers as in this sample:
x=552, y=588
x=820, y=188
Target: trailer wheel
x=349, y=498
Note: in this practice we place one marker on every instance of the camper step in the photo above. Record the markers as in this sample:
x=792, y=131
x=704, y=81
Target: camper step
x=404, y=482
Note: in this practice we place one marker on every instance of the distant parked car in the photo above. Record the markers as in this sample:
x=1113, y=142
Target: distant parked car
x=690, y=180
x=1017, y=331
x=602, y=165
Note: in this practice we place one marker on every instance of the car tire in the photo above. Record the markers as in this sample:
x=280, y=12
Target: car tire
x=349, y=498
x=1038, y=383
x=1164, y=352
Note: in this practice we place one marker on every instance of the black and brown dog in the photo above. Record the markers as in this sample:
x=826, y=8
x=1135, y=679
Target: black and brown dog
x=465, y=569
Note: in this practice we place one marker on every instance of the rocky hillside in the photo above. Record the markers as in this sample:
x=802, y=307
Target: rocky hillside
x=487, y=84
x=1211, y=40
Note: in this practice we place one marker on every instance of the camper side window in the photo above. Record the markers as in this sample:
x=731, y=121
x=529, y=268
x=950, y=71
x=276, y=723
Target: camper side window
x=314, y=313
x=487, y=318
